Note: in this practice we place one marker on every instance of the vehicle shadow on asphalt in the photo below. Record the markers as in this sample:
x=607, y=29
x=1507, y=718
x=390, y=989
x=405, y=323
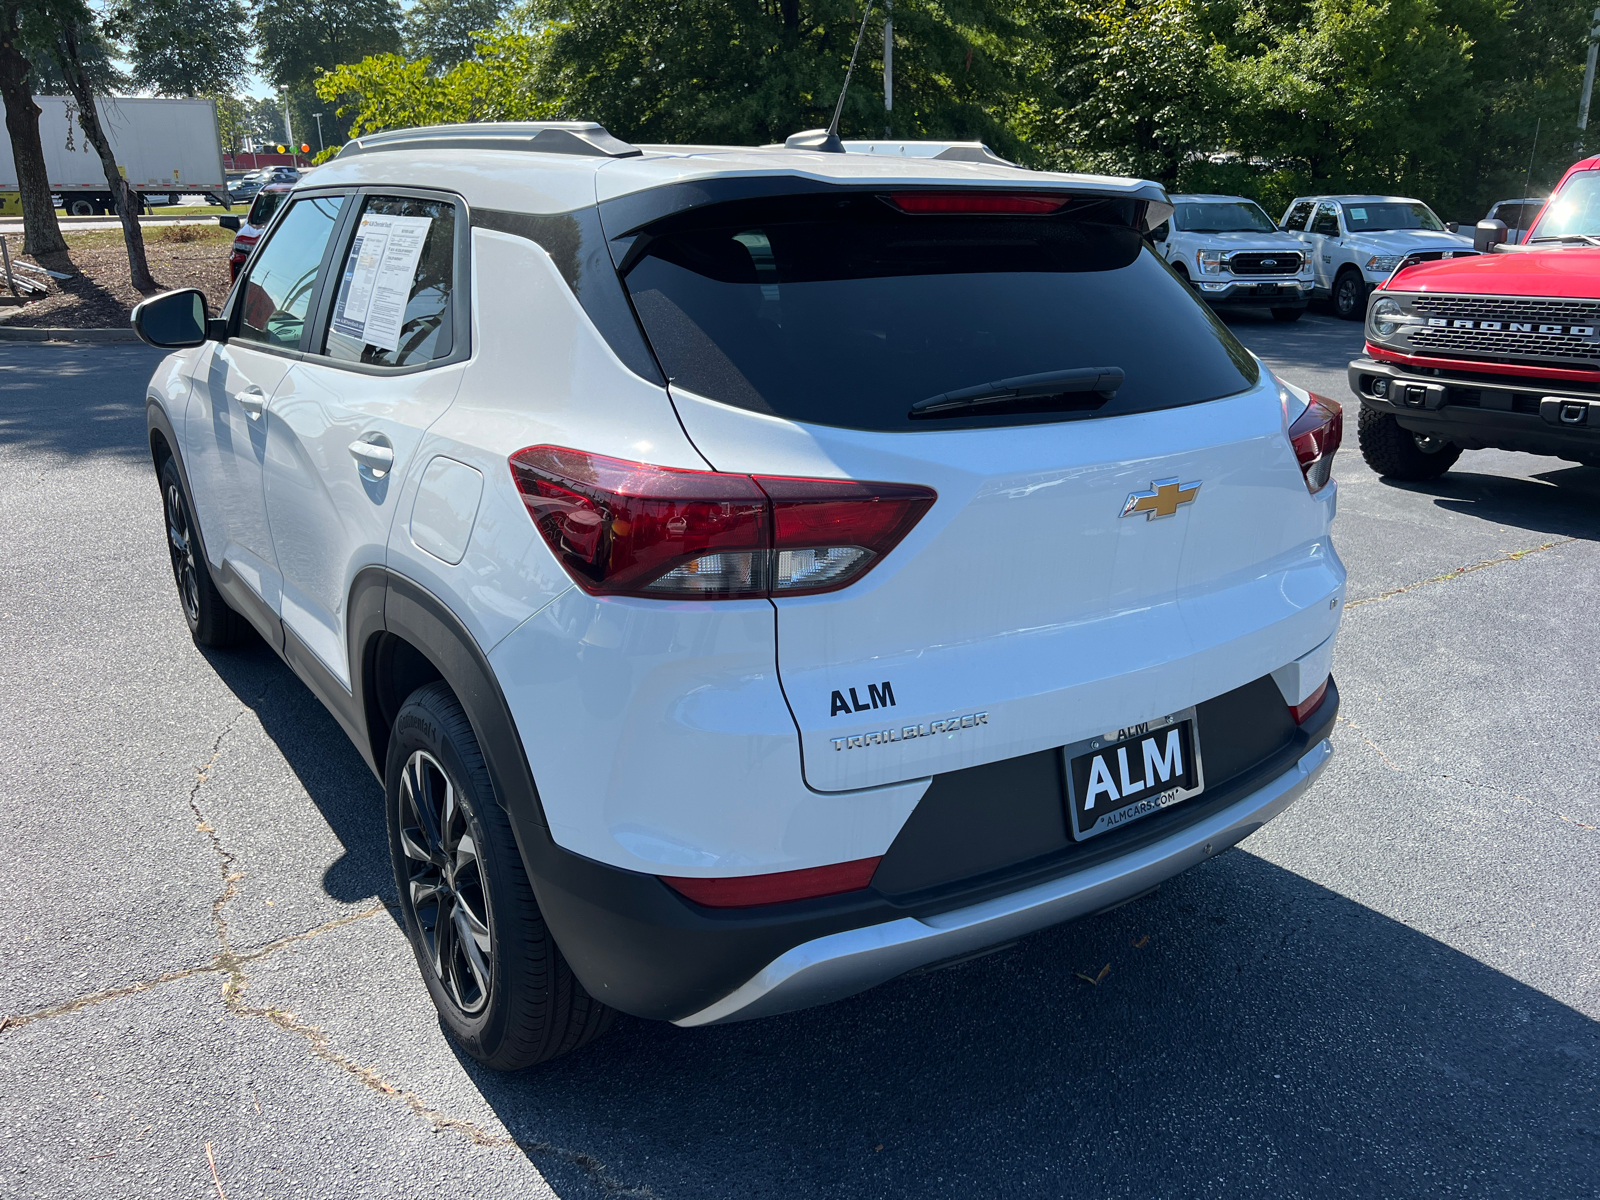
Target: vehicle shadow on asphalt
x=1317, y=340
x=43, y=406
x=1564, y=501
x=1269, y=1038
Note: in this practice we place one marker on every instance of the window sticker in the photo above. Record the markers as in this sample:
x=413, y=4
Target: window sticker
x=1360, y=214
x=377, y=278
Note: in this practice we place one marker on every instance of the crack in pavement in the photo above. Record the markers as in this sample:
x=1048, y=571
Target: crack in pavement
x=1376, y=749
x=1498, y=560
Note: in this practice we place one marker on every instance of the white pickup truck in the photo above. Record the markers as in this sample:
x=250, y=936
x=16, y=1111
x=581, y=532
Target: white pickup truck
x=1234, y=254
x=165, y=148
x=1356, y=242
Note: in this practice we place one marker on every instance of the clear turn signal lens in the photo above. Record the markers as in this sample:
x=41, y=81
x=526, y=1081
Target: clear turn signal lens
x=1315, y=436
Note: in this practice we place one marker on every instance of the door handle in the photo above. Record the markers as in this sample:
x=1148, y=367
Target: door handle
x=254, y=402
x=373, y=457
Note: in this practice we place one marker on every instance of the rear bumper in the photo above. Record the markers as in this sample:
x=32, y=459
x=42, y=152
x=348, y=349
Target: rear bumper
x=1477, y=410
x=646, y=950
x=831, y=968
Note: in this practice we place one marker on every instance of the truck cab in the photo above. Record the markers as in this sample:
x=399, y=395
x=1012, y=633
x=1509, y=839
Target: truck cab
x=1495, y=349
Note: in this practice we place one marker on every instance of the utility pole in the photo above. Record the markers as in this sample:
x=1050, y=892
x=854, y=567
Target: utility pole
x=1588, y=75
x=888, y=67
x=288, y=129
x=320, y=146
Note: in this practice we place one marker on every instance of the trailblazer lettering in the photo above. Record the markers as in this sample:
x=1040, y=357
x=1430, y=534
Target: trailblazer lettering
x=1513, y=327
x=879, y=695
x=882, y=737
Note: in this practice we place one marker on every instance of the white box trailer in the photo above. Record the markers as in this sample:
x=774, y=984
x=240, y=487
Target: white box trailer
x=164, y=148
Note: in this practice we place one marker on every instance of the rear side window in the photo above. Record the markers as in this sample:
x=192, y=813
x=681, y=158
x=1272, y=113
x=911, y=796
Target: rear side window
x=845, y=311
x=1298, y=216
x=395, y=285
x=277, y=291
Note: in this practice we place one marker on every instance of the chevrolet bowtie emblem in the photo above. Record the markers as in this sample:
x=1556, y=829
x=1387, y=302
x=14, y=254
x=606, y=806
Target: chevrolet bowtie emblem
x=1162, y=500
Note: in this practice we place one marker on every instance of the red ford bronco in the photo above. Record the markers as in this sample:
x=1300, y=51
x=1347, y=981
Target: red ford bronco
x=1498, y=346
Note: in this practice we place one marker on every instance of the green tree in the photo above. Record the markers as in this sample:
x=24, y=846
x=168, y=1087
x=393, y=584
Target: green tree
x=442, y=30
x=297, y=39
x=184, y=47
x=41, y=233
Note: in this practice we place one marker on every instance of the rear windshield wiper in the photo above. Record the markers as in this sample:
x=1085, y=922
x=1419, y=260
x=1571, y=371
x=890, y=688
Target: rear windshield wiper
x=1035, y=390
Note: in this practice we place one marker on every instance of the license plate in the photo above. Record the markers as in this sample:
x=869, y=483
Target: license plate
x=1130, y=773
x=1266, y=289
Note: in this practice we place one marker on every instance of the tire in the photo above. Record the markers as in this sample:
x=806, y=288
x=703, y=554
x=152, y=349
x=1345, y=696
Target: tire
x=1350, y=296
x=1288, y=314
x=79, y=206
x=501, y=986
x=1400, y=454
x=211, y=622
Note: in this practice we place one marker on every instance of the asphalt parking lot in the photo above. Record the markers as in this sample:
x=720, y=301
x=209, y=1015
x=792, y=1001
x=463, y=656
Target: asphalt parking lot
x=1393, y=990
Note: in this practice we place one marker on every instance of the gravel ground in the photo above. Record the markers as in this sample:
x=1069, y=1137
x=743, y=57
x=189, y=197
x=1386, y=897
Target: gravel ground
x=1393, y=990
x=99, y=295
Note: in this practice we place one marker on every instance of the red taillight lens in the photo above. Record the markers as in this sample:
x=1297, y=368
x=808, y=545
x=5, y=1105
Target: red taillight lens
x=1315, y=436
x=746, y=891
x=977, y=202
x=1300, y=712
x=626, y=528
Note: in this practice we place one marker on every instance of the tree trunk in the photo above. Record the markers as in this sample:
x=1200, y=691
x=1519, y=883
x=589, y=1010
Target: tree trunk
x=41, y=233
x=126, y=199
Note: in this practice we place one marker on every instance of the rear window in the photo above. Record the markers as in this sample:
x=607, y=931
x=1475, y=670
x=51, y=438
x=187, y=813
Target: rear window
x=844, y=311
x=266, y=203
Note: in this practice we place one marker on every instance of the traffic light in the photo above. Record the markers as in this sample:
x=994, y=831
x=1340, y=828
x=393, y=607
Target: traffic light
x=281, y=148
x=305, y=147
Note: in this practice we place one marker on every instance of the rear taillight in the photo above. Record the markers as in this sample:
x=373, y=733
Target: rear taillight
x=1300, y=712
x=1315, y=436
x=631, y=529
x=746, y=891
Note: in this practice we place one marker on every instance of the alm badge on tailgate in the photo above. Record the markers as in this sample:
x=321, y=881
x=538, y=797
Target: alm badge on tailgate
x=1122, y=776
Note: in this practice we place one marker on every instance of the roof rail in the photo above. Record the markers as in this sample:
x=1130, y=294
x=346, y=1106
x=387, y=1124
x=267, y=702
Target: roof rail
x=585, y=138
x=975, y=152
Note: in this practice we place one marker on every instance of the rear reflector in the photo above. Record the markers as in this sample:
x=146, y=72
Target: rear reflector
x=1315, y=437
x=746, y=891
x=977, y=202
x=632, y=529
x=1309, y=705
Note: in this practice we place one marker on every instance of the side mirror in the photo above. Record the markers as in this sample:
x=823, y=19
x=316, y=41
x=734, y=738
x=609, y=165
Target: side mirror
x=172, y=321
x=1487, y=235
x=1453, y=226
x=229, y=222
x=1159, y=233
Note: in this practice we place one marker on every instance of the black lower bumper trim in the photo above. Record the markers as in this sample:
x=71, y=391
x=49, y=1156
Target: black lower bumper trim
x=644, y=949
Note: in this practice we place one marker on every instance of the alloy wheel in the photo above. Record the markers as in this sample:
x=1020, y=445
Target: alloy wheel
x=1349, y=298
x=180, y=545
x=445, y=886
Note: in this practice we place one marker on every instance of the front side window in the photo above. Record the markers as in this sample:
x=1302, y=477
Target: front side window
x=1327, y=222
x=1574, y=211
x=261, y=210
x=844, y=311
x=277, y=291
x=1236, y=216
x=396, y=283
x=1398, y=214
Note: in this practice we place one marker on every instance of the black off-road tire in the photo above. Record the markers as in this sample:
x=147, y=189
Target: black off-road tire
x=1397, y=453
x=1350, y=295
x=533, y=1007
x=211, y=622
x=1288, y=314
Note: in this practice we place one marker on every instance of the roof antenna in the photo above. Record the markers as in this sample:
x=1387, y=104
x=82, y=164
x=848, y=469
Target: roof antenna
x=827, y=139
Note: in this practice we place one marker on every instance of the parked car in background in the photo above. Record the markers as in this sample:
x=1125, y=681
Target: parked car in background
x=1499, y=349
x=1234, y=254
x=1355, y=242
x=248, y=231
x=745, y=585
x=1517, y=215
x=249, y=185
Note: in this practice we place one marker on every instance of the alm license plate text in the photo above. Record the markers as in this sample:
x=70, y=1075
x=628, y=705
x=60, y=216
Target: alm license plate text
x=1130, y=773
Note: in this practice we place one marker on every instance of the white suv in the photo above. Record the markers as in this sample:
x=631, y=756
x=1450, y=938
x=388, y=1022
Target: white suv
x=753, y=574
x=1356, y=242
x=1236, y=255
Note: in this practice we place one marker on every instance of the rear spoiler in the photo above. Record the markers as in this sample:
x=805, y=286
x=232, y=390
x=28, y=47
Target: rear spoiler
x=1422, y=256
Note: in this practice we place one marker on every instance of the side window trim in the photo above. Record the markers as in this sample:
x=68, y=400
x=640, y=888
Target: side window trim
x=461, y=285
x=231, y=308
